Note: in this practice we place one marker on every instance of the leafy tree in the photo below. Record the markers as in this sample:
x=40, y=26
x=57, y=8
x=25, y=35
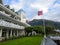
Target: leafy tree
x=49, y=29
x=39, y=29
x=28, y=30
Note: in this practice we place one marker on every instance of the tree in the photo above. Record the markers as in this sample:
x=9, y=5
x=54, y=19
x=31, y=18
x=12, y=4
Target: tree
x=28, y=30
x=38, y=29
x=49, y=29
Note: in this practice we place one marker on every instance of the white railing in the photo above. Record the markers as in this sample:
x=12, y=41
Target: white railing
x=7, y=14
x=4, y=13
x=55, y=37
x=11, y=25
x=9, y=11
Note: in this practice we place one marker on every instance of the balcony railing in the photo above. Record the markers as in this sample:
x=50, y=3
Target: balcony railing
x=55, y=37
x=4, y=13
x=11, y=25
x=8, y=15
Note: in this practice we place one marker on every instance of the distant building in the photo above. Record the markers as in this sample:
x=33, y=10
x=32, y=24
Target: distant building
x=22, y=14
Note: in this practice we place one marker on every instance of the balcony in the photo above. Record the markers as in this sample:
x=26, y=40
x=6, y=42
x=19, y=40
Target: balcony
x=4, y=13
x=10, y=25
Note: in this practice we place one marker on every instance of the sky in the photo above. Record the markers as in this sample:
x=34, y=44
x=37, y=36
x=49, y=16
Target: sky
x=50, y=8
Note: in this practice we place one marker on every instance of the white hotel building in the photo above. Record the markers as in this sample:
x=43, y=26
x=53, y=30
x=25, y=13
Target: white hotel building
x=11, y=24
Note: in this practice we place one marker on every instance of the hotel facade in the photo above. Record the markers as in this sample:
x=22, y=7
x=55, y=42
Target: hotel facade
x=10, y=23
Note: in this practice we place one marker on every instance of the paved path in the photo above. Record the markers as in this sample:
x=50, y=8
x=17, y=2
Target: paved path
x=47, y=41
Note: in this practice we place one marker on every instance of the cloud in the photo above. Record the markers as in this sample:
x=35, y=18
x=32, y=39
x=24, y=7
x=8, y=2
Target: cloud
x=51, y=8
x=52, y=14
x=16, y=5
x=39, y=7
x=42, y=5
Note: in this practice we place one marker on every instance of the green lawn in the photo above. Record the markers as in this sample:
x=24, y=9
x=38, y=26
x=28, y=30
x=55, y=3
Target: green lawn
x=23, y=41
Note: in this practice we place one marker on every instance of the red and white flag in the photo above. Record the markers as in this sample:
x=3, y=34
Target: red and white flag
x=40, y=13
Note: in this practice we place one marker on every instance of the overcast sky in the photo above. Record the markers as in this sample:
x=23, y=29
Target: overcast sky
x=50, y=8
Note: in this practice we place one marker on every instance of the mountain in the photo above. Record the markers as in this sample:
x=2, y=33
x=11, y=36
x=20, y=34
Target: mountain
x=37, y=22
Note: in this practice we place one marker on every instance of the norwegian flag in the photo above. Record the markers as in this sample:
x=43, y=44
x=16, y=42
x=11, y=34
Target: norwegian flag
x=40, y=13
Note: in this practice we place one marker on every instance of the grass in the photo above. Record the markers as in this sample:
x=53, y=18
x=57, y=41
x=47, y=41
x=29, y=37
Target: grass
x=23, y=41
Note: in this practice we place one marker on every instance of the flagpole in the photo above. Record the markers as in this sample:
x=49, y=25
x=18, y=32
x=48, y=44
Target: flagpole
x=41, y=13
x=44, y=27
x=44, y=30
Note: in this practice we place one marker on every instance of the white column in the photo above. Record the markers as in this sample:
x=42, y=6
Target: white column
x=17, y=33
x=11, y=33
x=7, y=33
x=14, y=33
x=0, y=33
